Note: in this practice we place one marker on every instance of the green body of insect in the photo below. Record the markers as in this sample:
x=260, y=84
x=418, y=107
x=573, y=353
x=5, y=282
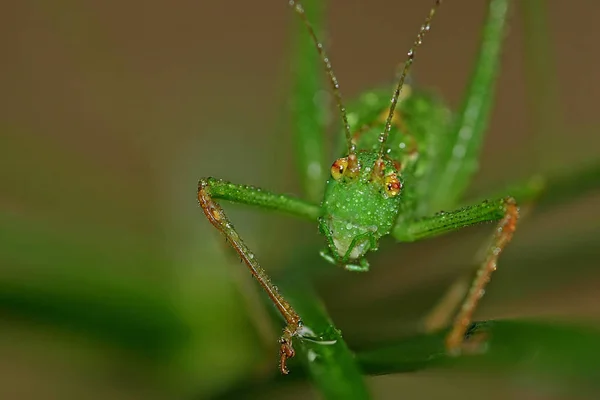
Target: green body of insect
x=357, y=212
x=404, y=162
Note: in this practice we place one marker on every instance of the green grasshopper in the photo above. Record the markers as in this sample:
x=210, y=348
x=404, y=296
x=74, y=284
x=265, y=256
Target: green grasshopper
x=406, y=159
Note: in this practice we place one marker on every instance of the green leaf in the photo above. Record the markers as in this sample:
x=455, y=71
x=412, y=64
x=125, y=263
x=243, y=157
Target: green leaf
x=308, y=116
x=556, y=189
x=543, y=349
x=326, y=357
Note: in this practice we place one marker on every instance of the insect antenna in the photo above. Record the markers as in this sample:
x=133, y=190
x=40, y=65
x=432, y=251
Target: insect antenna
x=332, y=79
x=411, y=56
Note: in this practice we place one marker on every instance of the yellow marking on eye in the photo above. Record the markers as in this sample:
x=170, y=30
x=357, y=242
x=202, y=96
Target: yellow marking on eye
x=338, y=168
x=392, y=185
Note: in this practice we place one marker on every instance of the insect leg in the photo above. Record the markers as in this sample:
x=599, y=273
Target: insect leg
x=537, y=191
x=506, y=212
x=208, y=190
x=459, y=151
x=441, y=314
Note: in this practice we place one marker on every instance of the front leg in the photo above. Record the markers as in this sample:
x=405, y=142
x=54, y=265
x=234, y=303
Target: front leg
x=506, y=211
x=208, y=189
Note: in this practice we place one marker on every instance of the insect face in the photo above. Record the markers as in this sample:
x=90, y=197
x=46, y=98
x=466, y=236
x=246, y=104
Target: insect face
x=361, y=208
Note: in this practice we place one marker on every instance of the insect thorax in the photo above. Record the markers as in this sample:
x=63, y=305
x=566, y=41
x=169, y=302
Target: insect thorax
x=418, y=131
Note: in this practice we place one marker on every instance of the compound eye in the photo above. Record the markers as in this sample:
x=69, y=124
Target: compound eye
x=338, y=168
x=392, y=185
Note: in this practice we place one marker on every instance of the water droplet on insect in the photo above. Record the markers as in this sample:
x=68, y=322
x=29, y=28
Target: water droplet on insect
x=381, y=139
x=251, y=256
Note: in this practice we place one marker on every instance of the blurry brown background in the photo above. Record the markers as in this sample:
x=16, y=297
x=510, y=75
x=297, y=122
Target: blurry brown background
x=110, y=112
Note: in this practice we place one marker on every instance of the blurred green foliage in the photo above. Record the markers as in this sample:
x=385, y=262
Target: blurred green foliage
x=113, y=286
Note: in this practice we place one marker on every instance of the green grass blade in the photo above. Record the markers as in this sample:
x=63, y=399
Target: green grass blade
x=460, y=155
x=560, y=352
x=543, y=101
x=542, y=348
x=49, y=277
x=307, y=114
x=329, y=363
x=553, y=190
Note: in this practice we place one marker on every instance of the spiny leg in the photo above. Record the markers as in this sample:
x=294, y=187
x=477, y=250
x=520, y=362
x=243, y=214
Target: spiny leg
x=443, y=311
x=208, y=189
x=506, y=211
x=502, y=237
x=537, y=191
